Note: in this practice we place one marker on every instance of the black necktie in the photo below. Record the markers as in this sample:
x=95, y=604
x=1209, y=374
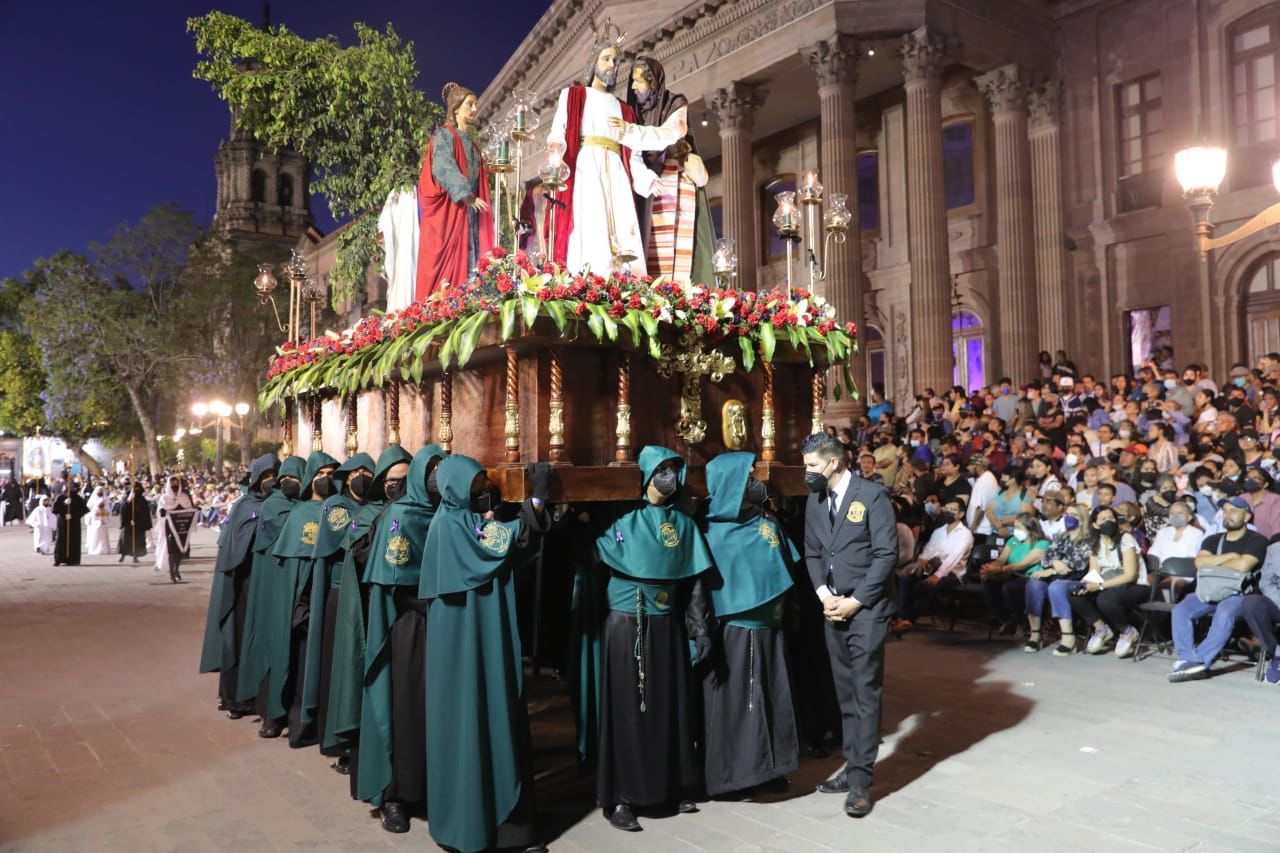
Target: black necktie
x=831, y=506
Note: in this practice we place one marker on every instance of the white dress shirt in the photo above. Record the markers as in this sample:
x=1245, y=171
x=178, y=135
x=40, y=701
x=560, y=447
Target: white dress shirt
x=843, y=479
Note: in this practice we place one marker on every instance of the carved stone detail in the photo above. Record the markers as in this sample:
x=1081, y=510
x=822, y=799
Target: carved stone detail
x=1045, y=104
x=1005, y=88
x=923, y=53
x=735, y=105
x=834, y=62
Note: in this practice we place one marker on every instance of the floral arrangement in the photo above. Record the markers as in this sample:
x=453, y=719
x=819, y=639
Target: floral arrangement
x=505, y=289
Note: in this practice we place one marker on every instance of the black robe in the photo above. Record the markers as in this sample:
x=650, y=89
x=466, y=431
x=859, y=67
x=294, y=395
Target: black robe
x=135, y=524
x=13, y=503
x=68, y=509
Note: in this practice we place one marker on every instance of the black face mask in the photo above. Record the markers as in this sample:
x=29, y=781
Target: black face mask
x=815, y=481
x=290, y=488
x=666, y=481
x=1251, y=485
x=946, y=516
x=486, y=501
x=1107, y=528
x=322, y=486
x=1169, y=495
x=433, y=487
x=757, y=493
x=359, y=485
x=394, y=489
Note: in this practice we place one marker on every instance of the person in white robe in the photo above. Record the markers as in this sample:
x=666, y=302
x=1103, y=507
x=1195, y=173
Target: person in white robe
x=42, y=524
x=398, y=227
x=172, y=539
x=606, y=233
x=98, y=521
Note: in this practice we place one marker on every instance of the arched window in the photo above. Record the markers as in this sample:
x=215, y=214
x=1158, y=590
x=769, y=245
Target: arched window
x=968, y=349
x=1262, y=307
x=284, y=190
x=258, y=186
x=873, y=343
x=868, y=168
x=957, y=163
x=775, y=248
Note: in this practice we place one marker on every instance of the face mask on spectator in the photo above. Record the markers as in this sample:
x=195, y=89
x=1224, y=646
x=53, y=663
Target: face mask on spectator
x=1268, y=462
x=1126, y=433
x=915, y=442
x=1178, y=520
x=1019, y=534
x=1240, y=381
x=1252, y=485
x=1169, y=495
x=946, y=516
x=1070, y=522
x=1107, y=528
x=1170, y=384
x=1071, y=460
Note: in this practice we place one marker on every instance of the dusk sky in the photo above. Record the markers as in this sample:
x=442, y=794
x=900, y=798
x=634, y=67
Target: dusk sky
x=104, y=120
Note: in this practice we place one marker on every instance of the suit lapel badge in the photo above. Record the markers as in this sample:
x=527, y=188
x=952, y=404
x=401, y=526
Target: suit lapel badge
x=857, y=512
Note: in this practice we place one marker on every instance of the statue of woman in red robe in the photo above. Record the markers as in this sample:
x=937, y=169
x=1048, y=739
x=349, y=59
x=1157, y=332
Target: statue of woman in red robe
x=456, y=223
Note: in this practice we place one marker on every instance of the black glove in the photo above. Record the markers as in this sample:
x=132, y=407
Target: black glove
x=539, y=474
x=702, y=648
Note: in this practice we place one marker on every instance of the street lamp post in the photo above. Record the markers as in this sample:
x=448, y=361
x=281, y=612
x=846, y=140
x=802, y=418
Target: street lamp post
x=1200, y=171
x=221, y=412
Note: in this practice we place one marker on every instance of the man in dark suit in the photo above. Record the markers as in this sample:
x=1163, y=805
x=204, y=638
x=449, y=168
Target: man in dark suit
x=850, y=547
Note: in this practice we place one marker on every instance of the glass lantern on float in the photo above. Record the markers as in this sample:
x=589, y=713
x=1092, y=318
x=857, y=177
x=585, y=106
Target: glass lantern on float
x=786, y=219
x=524, y=119
x=724, y=261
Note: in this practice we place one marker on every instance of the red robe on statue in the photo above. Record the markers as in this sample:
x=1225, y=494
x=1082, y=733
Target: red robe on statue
x=572, y=145
x=444, y=229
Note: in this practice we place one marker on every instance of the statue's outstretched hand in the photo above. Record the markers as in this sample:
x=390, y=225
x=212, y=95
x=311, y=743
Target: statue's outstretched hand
x=480, y=205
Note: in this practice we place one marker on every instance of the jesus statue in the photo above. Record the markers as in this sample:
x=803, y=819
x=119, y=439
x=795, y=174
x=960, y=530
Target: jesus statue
x=596, y=134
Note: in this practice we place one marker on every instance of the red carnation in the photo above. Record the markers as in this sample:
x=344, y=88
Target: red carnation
x=617, y=309
x=504, y=283
x=498, y=252
x=580, y=308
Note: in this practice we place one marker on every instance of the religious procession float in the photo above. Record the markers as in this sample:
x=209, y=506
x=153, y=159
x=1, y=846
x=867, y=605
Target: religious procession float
x=616, y=325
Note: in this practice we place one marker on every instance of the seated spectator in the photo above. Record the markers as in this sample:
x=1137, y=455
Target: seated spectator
x=1065, y=563
x=1130, y=518
x=1251, y=448
x=1156, y=510
x=1013, y=500
x=1105, y=496
x=1261, y=610
x=1107, y=474
x=1004, y=579
x=952, y=483
x=1238, y=550
x=1114, y=587
x=920, y=448
x=941, y=564
x=1087, y=487
x=1053, y=517
x=867, y=468
x=1180, y=536
x=1264, y=503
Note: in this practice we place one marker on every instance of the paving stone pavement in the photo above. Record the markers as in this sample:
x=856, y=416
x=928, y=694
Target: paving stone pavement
x=110, y=740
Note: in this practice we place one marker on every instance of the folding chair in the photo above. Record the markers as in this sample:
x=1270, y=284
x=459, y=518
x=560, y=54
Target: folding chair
x=1156, y=608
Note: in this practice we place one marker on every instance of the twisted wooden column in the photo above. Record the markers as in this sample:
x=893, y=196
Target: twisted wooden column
x=555, y=428
x=819, y=397
x=317, y=414
x=353, y=440
x=768, y=430
x=286, y=447
x=511, y=429
x=393, y=409
x=622, y=449
x=446, y=411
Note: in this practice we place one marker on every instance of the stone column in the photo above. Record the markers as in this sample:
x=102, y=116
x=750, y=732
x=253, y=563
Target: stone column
x=735, y=109
x=1019, y=322
x=923, y=53
x=835, y=63
x=1046, y=178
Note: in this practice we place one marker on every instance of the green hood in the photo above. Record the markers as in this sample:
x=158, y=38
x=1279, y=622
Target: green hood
x=276, y=507
x=388, y=459
x=727, y=477
x=751, y=550
x=396, y=553
x=360, y=460
x=317, y=460
x=463, y=550
x=655, y=543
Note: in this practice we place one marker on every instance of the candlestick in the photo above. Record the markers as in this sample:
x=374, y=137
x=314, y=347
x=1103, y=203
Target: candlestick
x=555, y=428
x=446, y=411
x=511, y=430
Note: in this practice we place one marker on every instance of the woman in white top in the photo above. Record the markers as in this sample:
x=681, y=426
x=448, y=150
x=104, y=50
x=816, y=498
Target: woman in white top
x=1115, y=585
x=1181, y=537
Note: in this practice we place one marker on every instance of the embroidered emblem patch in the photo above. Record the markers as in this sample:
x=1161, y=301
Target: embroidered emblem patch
x=662, y=599
x=338, y=518
x=669, y=535
x=777, y=612
x=857, y=512
x=496, y=537
x=397, y=551
x=310, y=531
x=768, y=534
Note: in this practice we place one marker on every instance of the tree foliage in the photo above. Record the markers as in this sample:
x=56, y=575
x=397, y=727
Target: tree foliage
x=353, y=111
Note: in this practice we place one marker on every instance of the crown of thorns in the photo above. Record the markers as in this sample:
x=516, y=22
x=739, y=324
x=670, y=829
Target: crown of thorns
x=609, y=35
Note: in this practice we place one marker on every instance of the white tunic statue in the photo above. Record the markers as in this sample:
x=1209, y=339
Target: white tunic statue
x=398, y=225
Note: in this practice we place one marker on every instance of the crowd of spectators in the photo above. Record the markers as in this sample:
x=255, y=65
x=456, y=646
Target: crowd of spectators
x=1070, y=494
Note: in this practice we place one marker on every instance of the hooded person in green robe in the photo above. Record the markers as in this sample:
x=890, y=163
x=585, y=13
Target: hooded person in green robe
x=391, y=770
x=229, y=594
x=655, y=557
x=479, y=769
x=295, y=549
x=750, y=725
x=353, y=480
x=346, y=687
x=253, y=682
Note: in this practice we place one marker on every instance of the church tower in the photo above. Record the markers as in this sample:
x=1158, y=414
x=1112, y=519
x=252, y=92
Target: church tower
x=262, y=194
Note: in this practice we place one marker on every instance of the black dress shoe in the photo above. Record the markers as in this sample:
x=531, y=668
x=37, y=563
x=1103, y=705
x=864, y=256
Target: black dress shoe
x=624, y=818
x=839, y=784
x=687, y=807
x=342, y=765
x=393, y=817
x=535, y=848
x=270, y=729
x=858, y=802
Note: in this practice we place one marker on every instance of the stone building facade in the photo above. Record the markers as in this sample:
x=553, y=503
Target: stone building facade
x=1009, y=163
x=262, y=195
